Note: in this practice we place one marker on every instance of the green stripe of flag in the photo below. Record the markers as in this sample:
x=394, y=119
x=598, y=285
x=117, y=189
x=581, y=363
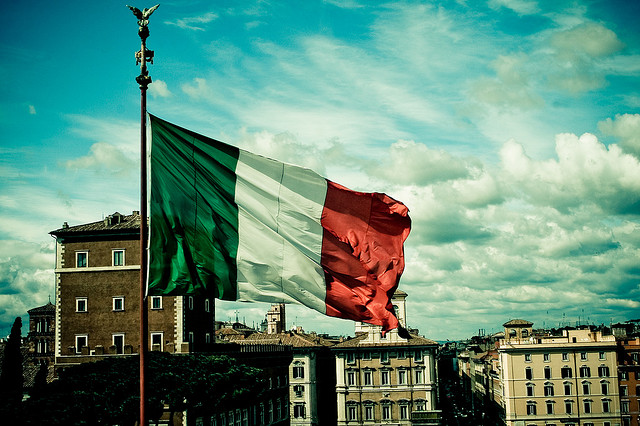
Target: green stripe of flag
x=193, y=214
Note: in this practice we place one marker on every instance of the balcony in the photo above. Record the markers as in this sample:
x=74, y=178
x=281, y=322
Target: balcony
x=420, y=418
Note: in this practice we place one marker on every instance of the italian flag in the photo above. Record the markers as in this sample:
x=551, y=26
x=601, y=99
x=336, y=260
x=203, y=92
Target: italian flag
x=238, y=226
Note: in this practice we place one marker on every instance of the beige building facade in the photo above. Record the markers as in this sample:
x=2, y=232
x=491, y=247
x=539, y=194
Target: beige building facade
x=558, y=380
x=389, y=379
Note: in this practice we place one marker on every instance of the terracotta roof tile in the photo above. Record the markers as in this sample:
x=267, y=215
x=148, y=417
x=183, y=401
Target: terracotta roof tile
x=413, y=340
x=113, y=222
x=48, y=308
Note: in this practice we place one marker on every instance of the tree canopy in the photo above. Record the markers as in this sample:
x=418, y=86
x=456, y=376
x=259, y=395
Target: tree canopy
x=107, y=392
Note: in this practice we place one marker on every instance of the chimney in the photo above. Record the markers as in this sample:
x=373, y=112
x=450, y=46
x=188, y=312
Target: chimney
x=65, y=225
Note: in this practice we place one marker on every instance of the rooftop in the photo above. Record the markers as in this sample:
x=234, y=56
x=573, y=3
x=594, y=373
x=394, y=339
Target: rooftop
x=517, y=323
x=360, y=341
x=45, y=309
x=115, y=222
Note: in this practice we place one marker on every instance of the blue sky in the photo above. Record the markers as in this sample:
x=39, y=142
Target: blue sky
x=508, y=127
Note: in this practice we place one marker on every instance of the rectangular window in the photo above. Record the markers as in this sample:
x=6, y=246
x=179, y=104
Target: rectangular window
x=366, y=355
x=418, y=356
x=546, y=357
x=585, y=371
x=583, y=356
x=565, y=372
x=351, y=358
x=527, y=357
x=384, y=378
x=190, y=301
x=568, y=407
x=547, y=372
x=82, y=340
x=419, y=376
x=528, y=373
x=606, y=406
x=404, y=412
x=82, y=259
x=298, y=372
x=118, y=303
x=191, y=337
x=604, y=388
x=401, y=354
x=549, y=407
x=298, y=390
x=565, y=356
x=386, y=412
x=118, y=342
x=156, y=302
x=298, y=411
x=118, y=257
x=587, y=407
x=207, y=337
x=384, y=357
x=602, y=355
x=624, y=391
x=81, y=304
x=530, y=391
x=351, y=413
x=531, y=409
x=402, y=377
x=351, y=378
x=603, y=371
x=367, y=378
x=548, y=390
x=156, y=341
x=368, y=412
x=624, y=407
x=207, y=308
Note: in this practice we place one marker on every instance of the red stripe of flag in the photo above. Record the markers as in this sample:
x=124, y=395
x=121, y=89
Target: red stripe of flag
x=362, y=254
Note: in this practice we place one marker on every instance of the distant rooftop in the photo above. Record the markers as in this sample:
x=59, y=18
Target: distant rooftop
x=412, y=340
x=517, y=323
x=48, y=308
x=115, y=222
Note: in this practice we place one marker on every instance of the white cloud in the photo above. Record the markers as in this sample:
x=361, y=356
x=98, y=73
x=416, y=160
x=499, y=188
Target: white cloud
x=104, y=157
x=414, y=163
x=521, y=7
x=26, y=278
x=625, y=127
x=199, y=90
x=194, y=22
x=578, y=52
x=159, y=88
x=32, y=110
x=510, y=88
x=586, y=172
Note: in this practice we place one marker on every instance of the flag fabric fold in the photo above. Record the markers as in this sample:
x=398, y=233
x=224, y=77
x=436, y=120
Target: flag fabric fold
x=233, y=225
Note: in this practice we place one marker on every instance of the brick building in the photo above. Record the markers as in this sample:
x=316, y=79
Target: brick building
x=629, y=375
x=97, y=297
x=41, y=335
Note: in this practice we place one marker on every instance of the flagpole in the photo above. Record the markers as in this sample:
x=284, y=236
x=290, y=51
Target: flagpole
x=142, y=57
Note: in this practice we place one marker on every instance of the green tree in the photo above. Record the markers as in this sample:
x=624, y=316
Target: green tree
x=107, y=392
x=11, y=374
